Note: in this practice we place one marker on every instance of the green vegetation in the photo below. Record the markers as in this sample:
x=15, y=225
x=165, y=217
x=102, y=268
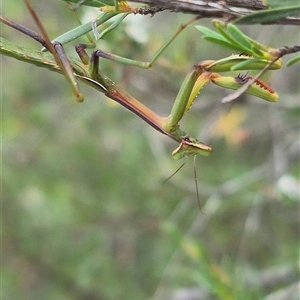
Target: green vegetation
x=85, y=214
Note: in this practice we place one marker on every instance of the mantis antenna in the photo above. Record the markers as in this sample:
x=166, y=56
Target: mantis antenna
x=195, y=178
x=196, y=183
x=174, y=173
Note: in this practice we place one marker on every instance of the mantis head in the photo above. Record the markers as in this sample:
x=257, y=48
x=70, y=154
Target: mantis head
x=190, y=146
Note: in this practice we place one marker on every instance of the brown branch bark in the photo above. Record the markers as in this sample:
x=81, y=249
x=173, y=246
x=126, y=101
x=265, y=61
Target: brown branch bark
x=227, y=9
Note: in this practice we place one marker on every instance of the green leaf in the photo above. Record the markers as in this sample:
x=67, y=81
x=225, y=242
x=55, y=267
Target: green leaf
x=82, y=29
x=238, y=42
x=219, y=39
x=112, y=26
x=242, y=65
x=224, y=44
x=94, y=3
x=265, y=16
x=229, y=38
x=210, y=33
x=274, y=3
x=256, y=51
x=239, y=37
x=293, y=60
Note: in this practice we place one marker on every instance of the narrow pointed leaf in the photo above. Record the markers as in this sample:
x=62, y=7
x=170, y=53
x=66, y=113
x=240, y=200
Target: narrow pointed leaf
x=224, y=44
x=270, y=15
x=274, y=3
x=82, y=29
x=244, y=65
x=256, y=51
x=210, y=33
x=94, y=3
x=239, y=37
x=227, y=36
x=293, y=60
x=112, y=26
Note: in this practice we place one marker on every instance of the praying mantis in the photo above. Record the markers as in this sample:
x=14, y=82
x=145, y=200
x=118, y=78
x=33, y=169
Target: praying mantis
x=251, y=56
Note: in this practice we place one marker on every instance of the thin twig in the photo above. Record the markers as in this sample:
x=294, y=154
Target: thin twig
x=229, y=9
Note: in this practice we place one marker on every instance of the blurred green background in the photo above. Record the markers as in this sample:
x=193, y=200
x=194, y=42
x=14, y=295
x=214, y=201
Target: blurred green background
x=85, y=214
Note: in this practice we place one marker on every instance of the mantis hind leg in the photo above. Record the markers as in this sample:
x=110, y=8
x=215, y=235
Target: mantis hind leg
x=143, y=64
